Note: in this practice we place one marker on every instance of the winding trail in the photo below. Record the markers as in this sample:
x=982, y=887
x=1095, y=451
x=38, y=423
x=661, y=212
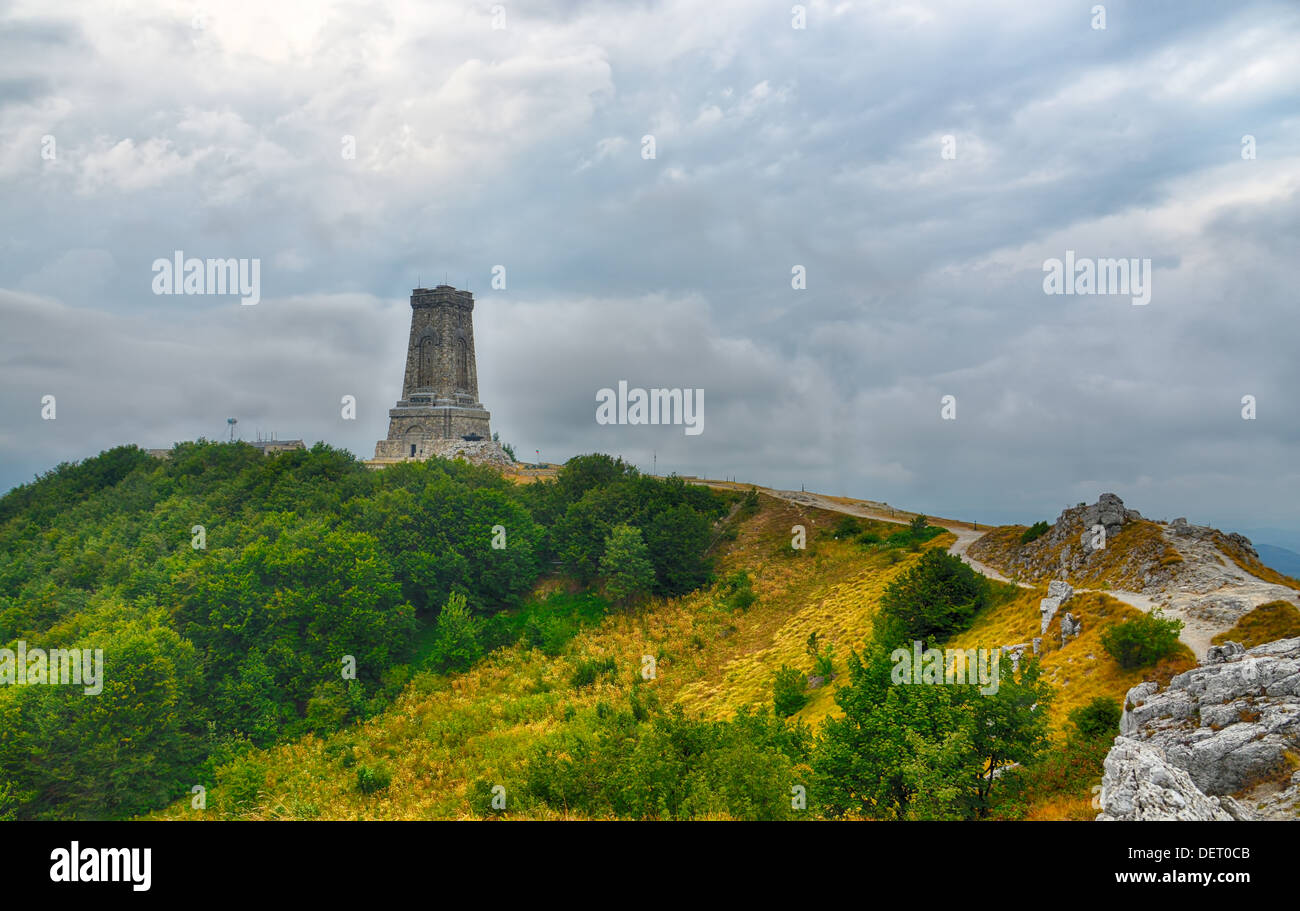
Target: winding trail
x=1197, y=630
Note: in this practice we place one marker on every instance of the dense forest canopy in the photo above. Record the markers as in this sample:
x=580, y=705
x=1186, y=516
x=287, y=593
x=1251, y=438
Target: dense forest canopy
x=229, y=591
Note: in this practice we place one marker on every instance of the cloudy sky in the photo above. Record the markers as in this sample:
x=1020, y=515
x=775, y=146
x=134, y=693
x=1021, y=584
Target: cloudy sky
x=921, y=160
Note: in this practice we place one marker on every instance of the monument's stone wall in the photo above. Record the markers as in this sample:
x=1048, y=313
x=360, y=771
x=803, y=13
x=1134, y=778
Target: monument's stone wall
x=440, y=384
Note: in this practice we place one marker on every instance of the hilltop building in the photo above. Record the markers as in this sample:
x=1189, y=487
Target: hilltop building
x=439, y=413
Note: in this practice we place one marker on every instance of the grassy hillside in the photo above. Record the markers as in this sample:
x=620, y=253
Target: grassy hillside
x=240, y=601
x=1127, y=558
x=1266, y=623
x=300, y=637
x=443, y=745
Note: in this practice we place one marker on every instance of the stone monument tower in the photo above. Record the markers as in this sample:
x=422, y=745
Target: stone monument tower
x=440, y=387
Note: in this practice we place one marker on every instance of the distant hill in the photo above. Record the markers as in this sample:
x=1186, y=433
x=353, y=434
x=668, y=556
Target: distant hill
x=1280, y=559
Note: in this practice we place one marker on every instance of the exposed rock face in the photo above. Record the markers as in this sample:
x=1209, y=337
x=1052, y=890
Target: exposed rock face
x=1058, y=593
x=1015, y=653
x=1070, y=628
x=1196, y=574
x=1181, y=528
x=1108, y=512
x=1227, y=725
x=1066, y=547
x=1141, y=784
x=477, y=452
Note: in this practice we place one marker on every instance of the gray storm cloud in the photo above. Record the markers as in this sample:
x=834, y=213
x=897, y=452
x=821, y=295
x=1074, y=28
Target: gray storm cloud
x=131, y=130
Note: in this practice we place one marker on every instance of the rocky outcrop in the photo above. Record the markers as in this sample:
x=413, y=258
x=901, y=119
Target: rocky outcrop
x=1067, y=548
x=1230, y=726
x=1071, y=626
x=1108, y=514
x=1180, y=528
x=1199, y=575
x=1140, y=783
x=1058, y=593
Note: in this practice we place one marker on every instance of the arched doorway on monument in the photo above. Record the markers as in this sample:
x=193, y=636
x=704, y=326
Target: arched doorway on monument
x=411, y=441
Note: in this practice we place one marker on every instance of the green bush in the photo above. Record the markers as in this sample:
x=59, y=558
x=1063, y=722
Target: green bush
x=456, y=644
x=824, y=664
x=657, y=764
x=587, y=670
x=240, y=784
x=847, y=527
x=788, y=689
x=1098, y=719
x=1033, y=532
x=1142, y=641
x=738, y=592
x=371, y=779
x=626, y=565
x=937, y=597
x=913, y=538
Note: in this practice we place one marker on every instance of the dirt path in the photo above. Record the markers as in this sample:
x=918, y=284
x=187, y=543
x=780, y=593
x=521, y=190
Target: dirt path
x=1197, y=630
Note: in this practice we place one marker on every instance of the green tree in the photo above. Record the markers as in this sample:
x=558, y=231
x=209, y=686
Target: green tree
x=934, y=599
x=863, y=761
x=625, y=565
x=1008, y=727
x=924, y=751
x=1098, y=720
x=1143, y=640
x=456, y=644
x=788, y=694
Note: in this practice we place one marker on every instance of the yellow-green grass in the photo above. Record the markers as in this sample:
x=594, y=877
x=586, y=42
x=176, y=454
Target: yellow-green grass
x=1121, y=564
x=1253, y=566
x=444, y=734
x=831, y=590
x=1081, y=670
x=1266, y=623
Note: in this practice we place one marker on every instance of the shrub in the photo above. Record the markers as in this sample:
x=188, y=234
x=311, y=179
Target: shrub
x=913, y=538
x=1033, y=532
x=241, y=784
x=1098, y=719
x=373, y=778
x=481, y=797
x=626, y=564
x=589, y=669
x=738, y=591
x=934, y=599
x=824, y=663
x=548, y=634
x=788, y=694
x=456, y=644
x=1142, y=641
x=847, y=527
x=823, y=658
